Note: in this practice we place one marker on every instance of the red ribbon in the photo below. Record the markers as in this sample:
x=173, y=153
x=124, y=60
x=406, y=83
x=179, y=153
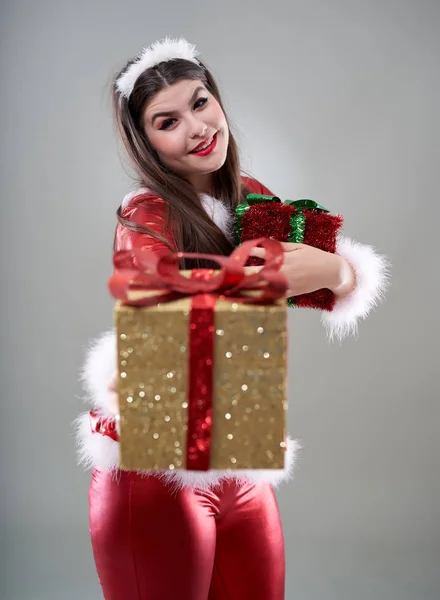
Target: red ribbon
x=201, y=364
x=161, y=278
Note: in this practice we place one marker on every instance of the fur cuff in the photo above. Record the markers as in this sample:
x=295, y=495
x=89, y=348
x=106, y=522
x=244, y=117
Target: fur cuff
x=99, y=366
x=372, y=279
x=101, y=452
x=93, y=449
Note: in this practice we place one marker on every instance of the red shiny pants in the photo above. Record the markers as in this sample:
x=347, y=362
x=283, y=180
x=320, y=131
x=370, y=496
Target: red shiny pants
x=151, y=542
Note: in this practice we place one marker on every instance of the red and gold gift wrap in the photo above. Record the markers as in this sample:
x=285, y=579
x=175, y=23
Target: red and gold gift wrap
x=202, y=361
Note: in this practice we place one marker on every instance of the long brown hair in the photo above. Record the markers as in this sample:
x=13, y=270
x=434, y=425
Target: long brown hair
x=194, y=230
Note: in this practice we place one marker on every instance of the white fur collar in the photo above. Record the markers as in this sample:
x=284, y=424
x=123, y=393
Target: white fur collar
x=219, y=213
x=214, y=208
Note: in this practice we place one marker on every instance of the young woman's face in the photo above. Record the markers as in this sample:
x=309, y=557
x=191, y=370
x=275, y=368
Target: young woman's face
x=192, y=137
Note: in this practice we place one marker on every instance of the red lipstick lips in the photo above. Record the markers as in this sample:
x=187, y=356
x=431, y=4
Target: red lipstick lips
x=205, y=150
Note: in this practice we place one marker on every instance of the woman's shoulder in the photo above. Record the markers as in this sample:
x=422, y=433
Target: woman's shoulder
x=255, y=186
x=143, y=208
x=138, y=197
x=142, y=203
x=143, y=199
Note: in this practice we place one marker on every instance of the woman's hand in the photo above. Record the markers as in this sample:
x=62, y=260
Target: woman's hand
x=113, y=397
x=308, y=269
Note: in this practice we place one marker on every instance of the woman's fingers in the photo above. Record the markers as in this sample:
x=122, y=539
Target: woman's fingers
x=113, y=383
x=258, y=252
x=290, y=246
x=287, y=247
x=113, y=402
x=113, y=396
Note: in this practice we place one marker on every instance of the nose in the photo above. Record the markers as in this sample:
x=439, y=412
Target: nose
x=198, y=129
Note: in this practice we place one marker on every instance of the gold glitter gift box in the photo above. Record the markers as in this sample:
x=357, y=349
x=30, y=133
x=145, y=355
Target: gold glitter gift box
x=249, y=396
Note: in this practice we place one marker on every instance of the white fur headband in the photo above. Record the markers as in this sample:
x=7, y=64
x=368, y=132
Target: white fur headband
x=161, y=51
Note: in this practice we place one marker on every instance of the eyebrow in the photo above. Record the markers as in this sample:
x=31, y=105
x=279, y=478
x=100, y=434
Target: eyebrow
x=172, y=112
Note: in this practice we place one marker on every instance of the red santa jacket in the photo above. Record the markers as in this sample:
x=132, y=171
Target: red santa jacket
x=146, y=209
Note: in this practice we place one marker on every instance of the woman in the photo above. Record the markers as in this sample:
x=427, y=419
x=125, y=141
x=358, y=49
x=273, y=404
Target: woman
x=193, y=535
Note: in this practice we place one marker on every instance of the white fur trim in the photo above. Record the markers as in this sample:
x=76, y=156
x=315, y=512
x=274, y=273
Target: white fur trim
x=219, y=213
x=161, y=51
x=372, y=280
x=96, y=450
x=93, y=449
x=207, y=479
x=97, y=370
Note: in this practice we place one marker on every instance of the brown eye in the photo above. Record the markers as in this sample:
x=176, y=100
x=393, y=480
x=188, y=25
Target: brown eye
x=167, y=124
x=200, y=102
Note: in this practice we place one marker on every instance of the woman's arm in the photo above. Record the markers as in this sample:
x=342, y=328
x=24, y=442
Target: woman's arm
x=359, y=280
x=356, y=274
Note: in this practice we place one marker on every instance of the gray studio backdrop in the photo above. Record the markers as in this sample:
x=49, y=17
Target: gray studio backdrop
x=335, y=101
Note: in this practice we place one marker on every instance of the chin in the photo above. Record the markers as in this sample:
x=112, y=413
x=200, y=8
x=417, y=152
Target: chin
x=219, y=159
x=214, y=164
x=218, y=164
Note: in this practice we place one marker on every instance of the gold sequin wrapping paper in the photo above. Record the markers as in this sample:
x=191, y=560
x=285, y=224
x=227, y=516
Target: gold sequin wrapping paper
x=249, y=385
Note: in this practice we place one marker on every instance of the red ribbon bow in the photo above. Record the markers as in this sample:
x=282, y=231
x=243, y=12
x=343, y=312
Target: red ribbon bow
x=161, y=278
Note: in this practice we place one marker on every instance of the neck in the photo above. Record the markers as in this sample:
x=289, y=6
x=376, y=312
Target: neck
x=203, y=182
